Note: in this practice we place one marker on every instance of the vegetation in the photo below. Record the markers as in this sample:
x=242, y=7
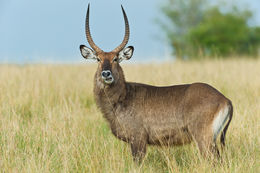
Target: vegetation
x=49, y=121
x=195, y=28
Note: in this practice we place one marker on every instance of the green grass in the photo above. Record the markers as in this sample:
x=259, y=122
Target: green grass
x=49, y=121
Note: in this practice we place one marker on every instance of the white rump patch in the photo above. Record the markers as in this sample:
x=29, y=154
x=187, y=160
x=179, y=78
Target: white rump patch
x=220, y=121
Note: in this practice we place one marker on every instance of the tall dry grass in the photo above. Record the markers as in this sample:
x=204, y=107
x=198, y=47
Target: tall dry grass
x=49, y=121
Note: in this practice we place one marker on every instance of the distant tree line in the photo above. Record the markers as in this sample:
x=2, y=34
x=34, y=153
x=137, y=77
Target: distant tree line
x=195, y=29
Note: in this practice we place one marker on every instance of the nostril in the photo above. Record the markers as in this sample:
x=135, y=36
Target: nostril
x=105, y=73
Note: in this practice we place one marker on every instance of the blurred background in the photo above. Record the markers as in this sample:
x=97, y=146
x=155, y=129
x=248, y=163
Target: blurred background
x=34, y=31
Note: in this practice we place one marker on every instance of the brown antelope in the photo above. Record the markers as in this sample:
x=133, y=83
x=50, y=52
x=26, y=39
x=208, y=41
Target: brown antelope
x=142, y=114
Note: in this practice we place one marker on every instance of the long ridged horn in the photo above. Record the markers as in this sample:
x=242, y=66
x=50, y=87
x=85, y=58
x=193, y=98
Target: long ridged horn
x=127, y=33
x=88, y=35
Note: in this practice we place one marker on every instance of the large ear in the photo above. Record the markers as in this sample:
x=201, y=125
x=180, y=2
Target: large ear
x=126, y=53
x=87, y=52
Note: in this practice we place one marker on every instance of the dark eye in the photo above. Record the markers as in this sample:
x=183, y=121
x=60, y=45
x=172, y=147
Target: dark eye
x=115, y=59
x=98, y=60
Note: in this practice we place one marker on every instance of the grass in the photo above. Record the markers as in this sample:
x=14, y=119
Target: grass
x=49, y=121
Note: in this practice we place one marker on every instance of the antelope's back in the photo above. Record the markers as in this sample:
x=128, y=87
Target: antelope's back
x=173, y=105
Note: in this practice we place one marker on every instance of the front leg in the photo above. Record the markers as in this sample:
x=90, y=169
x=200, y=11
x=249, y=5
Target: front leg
x=138, y=148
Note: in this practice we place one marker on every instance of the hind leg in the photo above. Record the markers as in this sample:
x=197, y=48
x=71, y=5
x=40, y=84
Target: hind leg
x=204, y=140
x=207, y=146
x=215, y=150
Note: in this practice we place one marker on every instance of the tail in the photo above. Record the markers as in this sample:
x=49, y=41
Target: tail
x=223, y=134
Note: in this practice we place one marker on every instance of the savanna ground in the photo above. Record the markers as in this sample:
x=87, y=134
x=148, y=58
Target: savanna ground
x=49, y=121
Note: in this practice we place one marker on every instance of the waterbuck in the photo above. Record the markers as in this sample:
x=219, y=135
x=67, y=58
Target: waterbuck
x=141, y=114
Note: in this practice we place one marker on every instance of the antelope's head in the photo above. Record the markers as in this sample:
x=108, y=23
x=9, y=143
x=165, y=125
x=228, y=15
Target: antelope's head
x=108, y=62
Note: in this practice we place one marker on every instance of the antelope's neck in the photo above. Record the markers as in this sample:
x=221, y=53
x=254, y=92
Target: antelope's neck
x=108, y=97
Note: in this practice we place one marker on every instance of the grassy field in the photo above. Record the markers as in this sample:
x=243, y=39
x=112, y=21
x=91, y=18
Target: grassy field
x=49, y=121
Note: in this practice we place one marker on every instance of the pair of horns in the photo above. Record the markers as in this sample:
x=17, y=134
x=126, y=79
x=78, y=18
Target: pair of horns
x=94, y=46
